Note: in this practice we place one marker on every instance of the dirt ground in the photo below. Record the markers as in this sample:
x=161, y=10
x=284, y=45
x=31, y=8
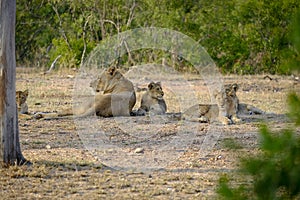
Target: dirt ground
x=150, y=157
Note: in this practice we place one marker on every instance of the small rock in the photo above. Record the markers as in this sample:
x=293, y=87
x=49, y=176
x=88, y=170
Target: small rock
x=218, y=157
x=48, y=146
x=139, y=150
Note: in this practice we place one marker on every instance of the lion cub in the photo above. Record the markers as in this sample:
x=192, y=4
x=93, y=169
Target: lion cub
x=21, y=98
x=228, y=110
x=225, y=111
x=152, y=100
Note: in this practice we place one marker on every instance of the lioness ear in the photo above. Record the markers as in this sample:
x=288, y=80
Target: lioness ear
x=151, y=85
x=112, y=70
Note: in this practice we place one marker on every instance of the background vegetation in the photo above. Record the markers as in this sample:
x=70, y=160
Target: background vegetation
x=274, y=173
x=242, y=36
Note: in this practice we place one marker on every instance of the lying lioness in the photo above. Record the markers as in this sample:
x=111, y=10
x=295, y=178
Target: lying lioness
x=117, y=98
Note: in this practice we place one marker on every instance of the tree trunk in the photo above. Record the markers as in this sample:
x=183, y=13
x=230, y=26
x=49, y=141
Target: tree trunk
x=10, y=151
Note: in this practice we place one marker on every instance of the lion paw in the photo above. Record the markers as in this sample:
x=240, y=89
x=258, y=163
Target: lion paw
x=235, y=119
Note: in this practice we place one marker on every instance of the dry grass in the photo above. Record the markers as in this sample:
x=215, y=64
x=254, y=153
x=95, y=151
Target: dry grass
x=64, y=169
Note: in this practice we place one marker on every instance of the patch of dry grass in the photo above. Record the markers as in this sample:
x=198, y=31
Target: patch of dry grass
x=64, y=169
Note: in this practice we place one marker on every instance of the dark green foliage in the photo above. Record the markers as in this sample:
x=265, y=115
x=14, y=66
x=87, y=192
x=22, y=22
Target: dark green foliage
x=294, y=102
x=291, y=58
x=230, y=193
x=35, y=29
x=241, y=36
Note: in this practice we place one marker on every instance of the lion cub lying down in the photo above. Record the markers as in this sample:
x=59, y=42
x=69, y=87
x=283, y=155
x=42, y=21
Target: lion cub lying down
x=227, y=112
x=152, y=100
x=118, y=98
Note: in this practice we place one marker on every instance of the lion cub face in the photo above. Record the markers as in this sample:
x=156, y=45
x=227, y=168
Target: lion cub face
x=152, y=101
x=155, y=90
x=227, y=96
x=228, y=104
x=21, y=97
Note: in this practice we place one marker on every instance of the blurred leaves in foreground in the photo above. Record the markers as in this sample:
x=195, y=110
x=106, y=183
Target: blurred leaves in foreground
x=274, y=173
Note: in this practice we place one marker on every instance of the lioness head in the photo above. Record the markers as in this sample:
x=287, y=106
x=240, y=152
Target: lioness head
x=155, y=90
x=104, y=81
x=21, y=97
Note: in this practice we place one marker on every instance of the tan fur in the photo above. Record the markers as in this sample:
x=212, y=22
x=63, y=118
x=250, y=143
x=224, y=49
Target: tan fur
x=225, y=111
x=117, y=98
x=21, y=98
x=152, y=100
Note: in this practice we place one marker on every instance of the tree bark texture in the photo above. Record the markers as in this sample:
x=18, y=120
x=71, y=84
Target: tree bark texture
x=10, y=151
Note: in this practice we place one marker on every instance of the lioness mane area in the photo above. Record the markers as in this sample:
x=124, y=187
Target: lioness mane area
x=116, y=97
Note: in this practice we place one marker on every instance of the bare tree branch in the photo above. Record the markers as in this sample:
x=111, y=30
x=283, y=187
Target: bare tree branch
x=84, y=40
x=53, y=64
x=60, y=24
x=113, y=23
x=128, y=51
x=131, y=14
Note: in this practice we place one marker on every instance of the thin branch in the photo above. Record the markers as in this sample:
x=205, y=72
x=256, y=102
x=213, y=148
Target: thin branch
x=84, y=41
x=53, y=64
x=113, y=23
x=131, y=14
x=60, y=24
x=128, y=51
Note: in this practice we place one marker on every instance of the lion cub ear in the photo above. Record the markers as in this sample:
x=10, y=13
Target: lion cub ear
x=111, y=70
x=151, y=85
x=235, y=87
x=26, y=92
x=158, y=83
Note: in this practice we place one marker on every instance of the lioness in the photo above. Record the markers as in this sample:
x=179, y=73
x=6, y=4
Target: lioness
x=117, y=97
x=228, y=104
x=153, y=101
